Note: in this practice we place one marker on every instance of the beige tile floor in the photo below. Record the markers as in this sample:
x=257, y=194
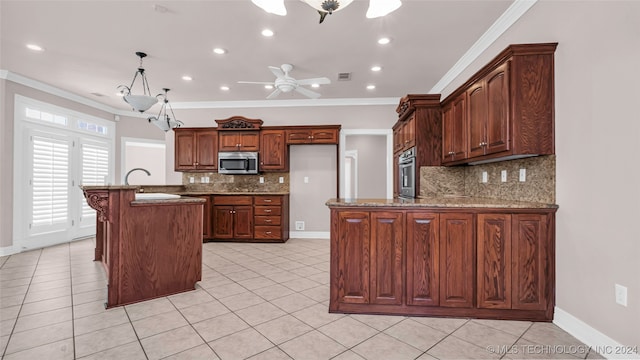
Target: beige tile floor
x=257, y=301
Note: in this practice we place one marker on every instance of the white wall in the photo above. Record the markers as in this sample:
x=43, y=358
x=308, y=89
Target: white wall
x=372, y=164
x=597, y=77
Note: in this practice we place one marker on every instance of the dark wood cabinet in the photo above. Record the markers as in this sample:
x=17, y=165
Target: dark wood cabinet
x=457, y=260
x=484, y=263
x=514, y=261
x=196, y=149
x=206, y=217
x=387, y=249
x=232, y=217
x=454, y=130
x=273, y=151
x=350, y=254
x=313, y=134
x=509, y=107
x=271, y=218
x=247, y=140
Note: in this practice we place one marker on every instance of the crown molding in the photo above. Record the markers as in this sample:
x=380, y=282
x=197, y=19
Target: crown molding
x=504, y=22
x=285, y=103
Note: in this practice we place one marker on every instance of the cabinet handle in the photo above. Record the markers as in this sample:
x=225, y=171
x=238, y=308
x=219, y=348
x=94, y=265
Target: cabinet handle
x=268, y=221
x=309, y=137
x=267, y=210
x=197, y=164
x=230, y=211
x=267, y=200
x=268, y=232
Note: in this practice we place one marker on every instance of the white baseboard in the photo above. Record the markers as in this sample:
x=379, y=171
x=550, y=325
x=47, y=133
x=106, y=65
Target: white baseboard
x=309, y=234
x=591, y=337
x=8, y=250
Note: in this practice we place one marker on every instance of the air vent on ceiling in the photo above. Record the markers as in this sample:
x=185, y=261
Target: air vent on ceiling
x=344, y=76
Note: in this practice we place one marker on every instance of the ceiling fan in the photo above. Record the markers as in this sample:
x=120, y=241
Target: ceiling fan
x=285, y=83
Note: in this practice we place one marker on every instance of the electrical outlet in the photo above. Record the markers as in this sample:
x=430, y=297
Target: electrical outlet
x=202, y=181
x=621, y=295
x=503, y=176
x=306, y=179
x=206, y=179
x=281, y=179
x=523, y=175
x=299, y=225
x=192, y=180
x=485, y=177
x=261, y=179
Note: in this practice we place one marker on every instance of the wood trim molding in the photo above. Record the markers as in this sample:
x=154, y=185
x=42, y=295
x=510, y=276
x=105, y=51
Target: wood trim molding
x=99, y=201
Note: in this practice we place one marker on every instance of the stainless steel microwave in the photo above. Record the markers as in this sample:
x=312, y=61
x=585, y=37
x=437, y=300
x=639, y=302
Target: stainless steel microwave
x=238, y=162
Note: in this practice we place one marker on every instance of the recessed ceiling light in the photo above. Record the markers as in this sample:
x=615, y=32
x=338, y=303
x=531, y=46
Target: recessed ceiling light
x=35, y=47
x=371, y=87
x=268, y=87
x=224, y=88
x=187, y=78
x=315, y=85
x=267, y=33
x=219, y=51
x=384, y=41
x=376, y=68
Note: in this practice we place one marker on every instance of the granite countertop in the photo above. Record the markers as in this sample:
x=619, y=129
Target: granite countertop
x=440, y=202
x=178, y=190
x=195, y=193
x=181, y=200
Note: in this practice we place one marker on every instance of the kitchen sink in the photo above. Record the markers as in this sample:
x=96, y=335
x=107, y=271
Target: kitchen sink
x=155, y=196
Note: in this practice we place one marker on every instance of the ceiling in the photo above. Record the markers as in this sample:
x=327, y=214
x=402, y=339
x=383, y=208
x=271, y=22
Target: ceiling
x=90, y=46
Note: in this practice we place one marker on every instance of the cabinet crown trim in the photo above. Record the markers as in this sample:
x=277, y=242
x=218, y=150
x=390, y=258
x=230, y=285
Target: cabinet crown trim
x=239, y=123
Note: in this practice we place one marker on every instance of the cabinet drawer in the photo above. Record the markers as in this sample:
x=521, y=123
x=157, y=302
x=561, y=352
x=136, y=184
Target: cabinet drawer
x=267, y=232
x=232, y=200
x=267, y=220
x=267, y=210
x=268, y=200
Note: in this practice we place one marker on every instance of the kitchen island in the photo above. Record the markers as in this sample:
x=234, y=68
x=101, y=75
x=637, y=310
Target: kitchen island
x=443, y=256
x=150, y=246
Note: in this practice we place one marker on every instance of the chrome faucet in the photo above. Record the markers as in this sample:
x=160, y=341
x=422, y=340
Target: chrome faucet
x=126, y=177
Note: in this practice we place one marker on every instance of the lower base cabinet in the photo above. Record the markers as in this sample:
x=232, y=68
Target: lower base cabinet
x=473, y=263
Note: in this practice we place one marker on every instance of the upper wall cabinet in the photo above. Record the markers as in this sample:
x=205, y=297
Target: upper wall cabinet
x=239, y=133
x=313, y=134
x=273, y=150
x=509, y=108
x=196, y=149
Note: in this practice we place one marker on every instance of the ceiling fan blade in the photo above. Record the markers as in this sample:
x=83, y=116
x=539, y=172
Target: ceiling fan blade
x=308, y=93
x=256, y=82
x=320, y=80
x=275, y=93
x=276, y=71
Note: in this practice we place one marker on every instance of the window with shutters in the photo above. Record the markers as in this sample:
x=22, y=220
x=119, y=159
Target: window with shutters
x=55, y=151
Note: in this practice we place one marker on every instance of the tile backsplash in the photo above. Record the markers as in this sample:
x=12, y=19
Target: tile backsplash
x=235, y=183
x=539, y=186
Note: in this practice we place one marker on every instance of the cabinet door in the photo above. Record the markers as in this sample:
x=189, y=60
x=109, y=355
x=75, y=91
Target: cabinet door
x=185, y=150
x=410, y=132
x=423, y=245
x=352, y=244
x=497, y=128
x=494, y=261
x=387, y=239
x=397, y=138
x=223, y=222
x=243, y=222
x=322, y=136
x=273, y=150
x=477, y=113
x=298, y=136
x=249, y=141
x=532, y=261
x=207, y=150
x=228, y=141
x=457, y=260
x=206, y=217
x=447, y=133
x=459, y=143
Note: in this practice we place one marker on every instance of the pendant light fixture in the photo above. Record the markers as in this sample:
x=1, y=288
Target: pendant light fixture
x=142, y=102
x=377, y=8
x=163, y=120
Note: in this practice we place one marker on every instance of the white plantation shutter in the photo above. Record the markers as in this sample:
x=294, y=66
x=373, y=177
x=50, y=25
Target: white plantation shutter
x=95, y=170
x=49, y=183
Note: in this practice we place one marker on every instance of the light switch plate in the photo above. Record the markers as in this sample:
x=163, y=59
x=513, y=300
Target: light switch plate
x=621, y=295
x=192, y=179
x=503, y=176
x=281, y=179
x=261, y=179
x=485, y=177
x=523, y=175
x=306, y=179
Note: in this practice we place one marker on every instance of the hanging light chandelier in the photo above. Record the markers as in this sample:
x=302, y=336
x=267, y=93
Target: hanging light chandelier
x=377, y=8
x=163, y=120
x=142, y=102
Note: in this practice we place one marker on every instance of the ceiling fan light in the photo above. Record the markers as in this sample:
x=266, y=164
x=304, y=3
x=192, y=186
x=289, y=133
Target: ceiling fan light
x=328, y=6
x=272, y=6
x=378, y=8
